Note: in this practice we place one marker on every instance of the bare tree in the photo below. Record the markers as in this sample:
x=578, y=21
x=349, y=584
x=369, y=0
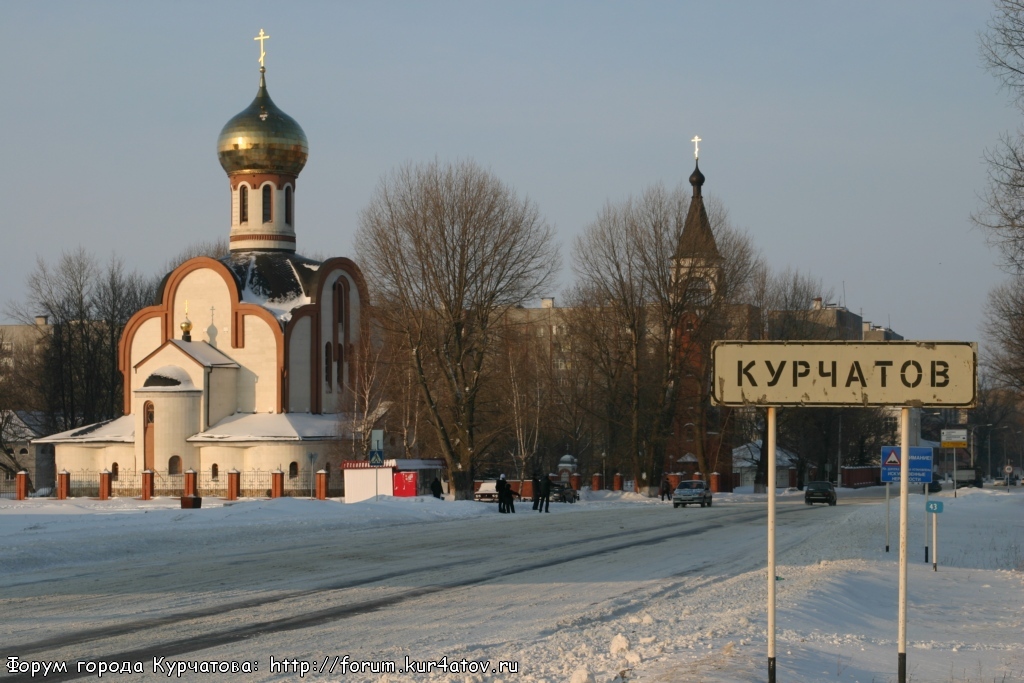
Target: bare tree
x=87, y=306
x=447, y=250
x=631, y=274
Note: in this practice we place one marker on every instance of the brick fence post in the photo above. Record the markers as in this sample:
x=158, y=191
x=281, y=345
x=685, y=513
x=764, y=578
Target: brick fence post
x=321, y=485
x=21, y=485
x=597, y=482
x=276, y=484
x=63, y=484
x=147, y=484
x=716, y=483
x=105, y=485
x=617, y=482
x=234, y=484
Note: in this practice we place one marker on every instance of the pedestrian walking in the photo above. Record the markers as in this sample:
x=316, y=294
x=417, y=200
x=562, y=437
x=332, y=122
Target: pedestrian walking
x=545, y=496
x=536, y=490
x=666, y=490
x=435, y=487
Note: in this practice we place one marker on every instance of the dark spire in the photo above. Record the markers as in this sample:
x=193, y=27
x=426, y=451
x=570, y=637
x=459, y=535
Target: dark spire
x=697, y=240
x=696, y=179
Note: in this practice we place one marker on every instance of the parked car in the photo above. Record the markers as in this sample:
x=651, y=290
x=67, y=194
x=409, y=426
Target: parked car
x=488, y=491
x=933, y=486
x=820, y=492
x=563, y=493
x=691, y=493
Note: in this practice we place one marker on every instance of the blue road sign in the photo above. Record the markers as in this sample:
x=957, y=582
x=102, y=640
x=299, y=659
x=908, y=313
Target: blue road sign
x=934, y=506
x=920, y=464
x=376, y=458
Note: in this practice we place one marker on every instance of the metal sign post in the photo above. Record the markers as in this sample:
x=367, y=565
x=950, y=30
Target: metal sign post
x=901, y=650
x=886, y=516
x=771, y=545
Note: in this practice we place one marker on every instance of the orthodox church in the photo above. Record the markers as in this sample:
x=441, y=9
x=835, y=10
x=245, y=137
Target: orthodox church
x=247, y=361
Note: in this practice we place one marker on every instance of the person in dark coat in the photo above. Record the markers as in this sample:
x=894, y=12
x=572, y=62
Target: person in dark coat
x=435, y=487
x=666, y=489
x=510, y=503
x=500, y=487
x=545, y=495
x=536, y=490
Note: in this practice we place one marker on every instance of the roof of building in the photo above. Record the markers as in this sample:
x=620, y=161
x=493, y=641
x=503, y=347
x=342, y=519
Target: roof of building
x=278, y=427
x=697, y=240
x=277, y=280
x=203, y=353
x=120, y=430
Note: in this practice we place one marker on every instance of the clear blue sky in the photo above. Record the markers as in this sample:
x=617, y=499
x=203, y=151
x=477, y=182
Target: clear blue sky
x=845, y=137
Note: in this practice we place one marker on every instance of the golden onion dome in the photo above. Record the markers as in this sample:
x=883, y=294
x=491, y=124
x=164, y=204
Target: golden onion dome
x=262, y=139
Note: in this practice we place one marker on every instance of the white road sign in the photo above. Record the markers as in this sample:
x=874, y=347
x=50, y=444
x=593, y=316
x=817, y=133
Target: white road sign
x=809, y=373
x=954, y=438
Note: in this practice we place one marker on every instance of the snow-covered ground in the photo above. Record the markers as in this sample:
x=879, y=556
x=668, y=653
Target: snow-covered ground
x=614, y=587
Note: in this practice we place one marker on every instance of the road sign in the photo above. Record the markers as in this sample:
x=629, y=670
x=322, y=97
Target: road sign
x=926, y=374
x=954, y=438
x=934, y=506
x=920, y=464
x=376, y=458
x=1008, y=469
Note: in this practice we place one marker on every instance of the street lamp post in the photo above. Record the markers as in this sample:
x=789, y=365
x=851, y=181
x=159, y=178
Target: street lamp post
x=973, y=429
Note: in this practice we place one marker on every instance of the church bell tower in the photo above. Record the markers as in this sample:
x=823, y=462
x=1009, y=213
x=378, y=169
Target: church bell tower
x=263, y=150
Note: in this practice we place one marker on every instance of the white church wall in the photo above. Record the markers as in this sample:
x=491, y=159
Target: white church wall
x=146, y=340
x=176, y=418
x=257, y=381
x=204, y=288
x=121, y=454
x=298, y=367
x=75, y=458
x=226, y=458
x=271, y=456
x=223, y=393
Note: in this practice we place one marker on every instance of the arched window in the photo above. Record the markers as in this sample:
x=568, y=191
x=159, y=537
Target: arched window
x=268, y=213
x=174, y=465
x=214, y=472
x=113, y=472
x=23, y=451
x=149, y=413
x=293, y=470
x=288, y=205
x=243, y=204
x=328, y=361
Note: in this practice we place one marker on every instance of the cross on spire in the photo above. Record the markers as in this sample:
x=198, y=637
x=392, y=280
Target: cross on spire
x=261, y=37
x=696, y=147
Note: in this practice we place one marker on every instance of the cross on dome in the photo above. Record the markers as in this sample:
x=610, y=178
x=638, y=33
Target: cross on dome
x=696, y=146
x=261, y=37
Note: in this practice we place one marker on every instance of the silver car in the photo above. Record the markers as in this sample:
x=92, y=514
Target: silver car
x=692, y=492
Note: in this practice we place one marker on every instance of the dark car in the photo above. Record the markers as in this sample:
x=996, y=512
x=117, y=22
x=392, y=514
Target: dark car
x=820, y=492
x=933, y=486
x=563, y=493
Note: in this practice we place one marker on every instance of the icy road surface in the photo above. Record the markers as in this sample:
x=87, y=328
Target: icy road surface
x=613, y=587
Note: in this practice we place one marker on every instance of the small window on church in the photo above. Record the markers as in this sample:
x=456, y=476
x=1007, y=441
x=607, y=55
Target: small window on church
x=174, y=465
x=149, y=413
x=293, y=470
x=268, y=213
x=243, y=204
x=113, y=472
x=328, y=363
x=214, y=472
x=288, y=205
